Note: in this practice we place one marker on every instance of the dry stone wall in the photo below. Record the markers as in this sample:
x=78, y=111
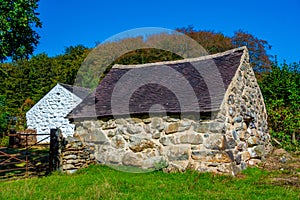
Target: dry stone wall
x=245, y=116
x=73, y=155
x=160, y=142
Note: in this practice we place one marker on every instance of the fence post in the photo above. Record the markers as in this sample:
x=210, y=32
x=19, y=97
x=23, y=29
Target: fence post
x=56, y=145
x=12, y=138
x=53, y=150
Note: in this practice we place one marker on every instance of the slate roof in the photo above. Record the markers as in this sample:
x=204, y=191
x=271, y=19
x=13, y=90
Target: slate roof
x=81, y=92
x=128, y=89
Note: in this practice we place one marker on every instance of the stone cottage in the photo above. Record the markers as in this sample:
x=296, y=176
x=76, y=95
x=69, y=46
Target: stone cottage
x=151, y=119
x=51, y=110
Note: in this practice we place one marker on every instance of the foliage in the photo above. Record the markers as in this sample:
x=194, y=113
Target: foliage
x=4, y=141
x=3, y=115
x=217, y=42
x=27, y=81
x=280, y=89
x=100, y=182
x=259, y=59
x=211, y=41
x=18, y=19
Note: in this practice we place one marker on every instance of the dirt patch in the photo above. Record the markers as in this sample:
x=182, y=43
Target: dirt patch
x=285, y=168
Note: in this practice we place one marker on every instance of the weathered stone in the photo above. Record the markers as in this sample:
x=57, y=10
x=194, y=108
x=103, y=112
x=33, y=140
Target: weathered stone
x=172, y=128
x=157, y=162
x=216, y=127
x=231, y=111
x=178, y=152
x=71, y=161
x=243, y=135
x=252, y=141
x=139, y=137
x=92, y=156
x=70, y=157
x=199, y=155
x=111, y=124
x=242, y=146
x=121, y=121
x=252, y=125
x=243, y=165
x=191, y=138
x=68, y=166
x=134, y=129
x=219, y=157
x=256, y=151
x=238, y=159
x=230, y=143
x=238, y=119
x=184, y=125
x=230, y=99
x=156, y=135
x=201, y=127
x=87, y=124
x=118, y=142
x=141, y=145
x=259, y=150
x=254, y=162
x=111, y=133
x=132, y=159
x=96, y=136
x=172, y=119
x=215, y=141
x=147, y=120
x=176, y=166
x=238, y=126
x=120, y=131
x=157, y=123
x=235, y=135
x=147, y=129
x=166, y=140
x=114, y=156
x=71, y=171
x=136, y=120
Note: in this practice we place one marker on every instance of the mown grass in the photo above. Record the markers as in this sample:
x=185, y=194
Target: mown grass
x=100, y=182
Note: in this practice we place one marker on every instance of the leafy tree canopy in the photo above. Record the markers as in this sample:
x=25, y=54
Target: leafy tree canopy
x=18, y=18
x=218, y=42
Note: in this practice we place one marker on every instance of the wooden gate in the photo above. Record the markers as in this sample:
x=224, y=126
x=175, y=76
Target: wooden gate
x=23, y=158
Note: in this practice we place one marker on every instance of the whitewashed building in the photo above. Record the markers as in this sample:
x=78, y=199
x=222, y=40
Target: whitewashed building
x=51, y=110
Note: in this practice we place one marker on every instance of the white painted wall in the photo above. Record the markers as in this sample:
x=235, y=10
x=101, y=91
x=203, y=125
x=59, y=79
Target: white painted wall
x=50, y=112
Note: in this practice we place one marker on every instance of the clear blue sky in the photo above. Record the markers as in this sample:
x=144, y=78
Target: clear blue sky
x=72, y=22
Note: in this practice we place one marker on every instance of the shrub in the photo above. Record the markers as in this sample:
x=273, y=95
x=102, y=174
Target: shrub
x=280, y=89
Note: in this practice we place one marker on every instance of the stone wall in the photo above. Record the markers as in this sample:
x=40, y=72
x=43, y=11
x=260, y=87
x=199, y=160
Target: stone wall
x=161, y=142
x=50, y=111
x=245, y=116
x=74, y=155
x=226, y=142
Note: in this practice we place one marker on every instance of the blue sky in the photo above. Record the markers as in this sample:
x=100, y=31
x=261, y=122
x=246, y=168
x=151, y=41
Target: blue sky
x=72, y=22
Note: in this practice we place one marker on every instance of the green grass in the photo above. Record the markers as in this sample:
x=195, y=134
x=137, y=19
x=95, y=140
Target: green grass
x=100, y=182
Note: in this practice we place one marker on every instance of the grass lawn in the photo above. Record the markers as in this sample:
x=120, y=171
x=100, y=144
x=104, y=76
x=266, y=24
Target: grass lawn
x=100, y=182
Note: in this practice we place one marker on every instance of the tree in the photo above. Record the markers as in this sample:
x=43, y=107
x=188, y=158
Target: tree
x=18, y=18
x=215, y=42
x=211, y=41
x=259, y=59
